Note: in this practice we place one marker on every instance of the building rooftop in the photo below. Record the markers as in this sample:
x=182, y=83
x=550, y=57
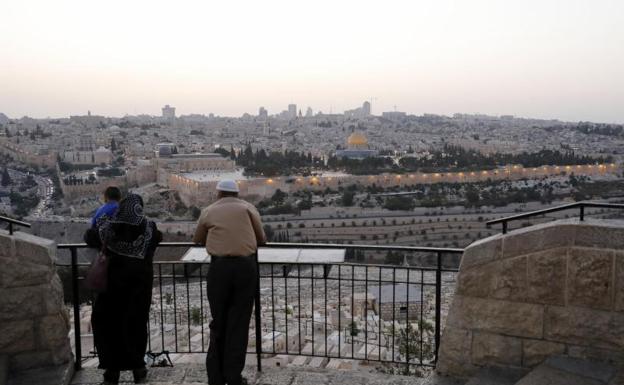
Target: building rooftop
x=214, y=176
x=396, y=293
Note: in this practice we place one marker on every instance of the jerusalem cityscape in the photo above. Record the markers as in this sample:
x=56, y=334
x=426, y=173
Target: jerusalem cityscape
x=438, y=210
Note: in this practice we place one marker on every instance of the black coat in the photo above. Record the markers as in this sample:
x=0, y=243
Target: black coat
x=121, y=313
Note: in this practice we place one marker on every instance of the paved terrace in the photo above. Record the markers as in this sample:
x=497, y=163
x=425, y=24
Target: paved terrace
x=193, y=374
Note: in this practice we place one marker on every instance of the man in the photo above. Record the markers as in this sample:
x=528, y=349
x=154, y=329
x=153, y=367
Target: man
x=232, y=230
x=112, y=196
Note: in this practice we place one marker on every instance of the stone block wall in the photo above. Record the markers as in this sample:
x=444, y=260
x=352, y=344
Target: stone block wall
x=34, y=322
x=555, y=288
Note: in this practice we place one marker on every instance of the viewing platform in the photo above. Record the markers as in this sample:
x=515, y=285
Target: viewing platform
x=542, y=304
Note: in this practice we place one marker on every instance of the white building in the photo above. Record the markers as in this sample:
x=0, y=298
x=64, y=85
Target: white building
x=292, y=111
x=168, y=112
x=263, y=114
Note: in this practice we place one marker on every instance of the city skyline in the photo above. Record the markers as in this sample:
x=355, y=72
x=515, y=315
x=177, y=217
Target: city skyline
x=548, y=59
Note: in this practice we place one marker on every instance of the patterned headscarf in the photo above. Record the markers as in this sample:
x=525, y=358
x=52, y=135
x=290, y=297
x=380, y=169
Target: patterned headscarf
x=129, y=214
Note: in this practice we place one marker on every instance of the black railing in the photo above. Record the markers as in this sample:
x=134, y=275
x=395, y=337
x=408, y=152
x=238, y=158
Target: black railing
x=305, y=308
x=13, y=222
x=581, y=206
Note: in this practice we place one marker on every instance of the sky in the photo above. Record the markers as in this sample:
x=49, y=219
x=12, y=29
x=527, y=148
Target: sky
x=532, y=58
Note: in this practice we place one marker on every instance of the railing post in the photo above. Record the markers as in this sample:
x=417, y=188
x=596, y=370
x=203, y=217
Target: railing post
x=257, y=317
x=438, y=305
x=10, y=228
x=504, y=227
x=76, y=303
x=582, y=216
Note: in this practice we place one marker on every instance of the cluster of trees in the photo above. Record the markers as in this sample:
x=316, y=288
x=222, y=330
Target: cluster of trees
x=73, y=180
x=503, y=196
x=366, y=166
x=23, y=203
x=450, y=157
x=110, y=172
x=276, y=205
x=68, y=167
x=37, y=132
x=261, y=162
x=455, y=157
x=399, y=202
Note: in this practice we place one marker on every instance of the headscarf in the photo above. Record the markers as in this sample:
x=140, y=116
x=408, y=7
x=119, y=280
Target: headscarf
x=128, y=232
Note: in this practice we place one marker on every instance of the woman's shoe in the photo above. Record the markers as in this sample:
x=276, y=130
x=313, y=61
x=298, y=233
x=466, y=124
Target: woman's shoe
x=140, y=375
x=111, y=377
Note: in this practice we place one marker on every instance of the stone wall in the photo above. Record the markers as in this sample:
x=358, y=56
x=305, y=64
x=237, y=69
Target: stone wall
x=34, y=323
x=555, y=288
x=202, y=193
x=135, y=177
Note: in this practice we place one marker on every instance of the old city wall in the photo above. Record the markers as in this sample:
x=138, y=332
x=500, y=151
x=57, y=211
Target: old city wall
x=555, y=288
x=19, y=154
x=133, y=178
x=202, y=193
x=34, y=323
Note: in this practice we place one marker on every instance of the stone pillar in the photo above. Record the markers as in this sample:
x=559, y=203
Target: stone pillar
x=554, y=288
x=34, y=323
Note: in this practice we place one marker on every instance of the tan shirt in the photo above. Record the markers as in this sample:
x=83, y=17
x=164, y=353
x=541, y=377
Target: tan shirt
x=230, y=227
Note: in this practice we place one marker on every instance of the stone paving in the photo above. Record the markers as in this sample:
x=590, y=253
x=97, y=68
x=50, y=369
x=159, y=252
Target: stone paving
x=196, y=374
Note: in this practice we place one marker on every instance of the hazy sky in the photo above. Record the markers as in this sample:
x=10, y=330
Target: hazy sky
x=535, y=58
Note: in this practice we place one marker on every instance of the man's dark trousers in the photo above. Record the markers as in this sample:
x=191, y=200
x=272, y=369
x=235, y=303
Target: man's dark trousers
x=231, y=286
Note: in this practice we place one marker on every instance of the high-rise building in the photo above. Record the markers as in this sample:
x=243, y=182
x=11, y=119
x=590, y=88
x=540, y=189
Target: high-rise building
x=359, y=112
x=292, y=111
x=309, y=112
x=263, y=114
x=168, y=112
x=366, y=108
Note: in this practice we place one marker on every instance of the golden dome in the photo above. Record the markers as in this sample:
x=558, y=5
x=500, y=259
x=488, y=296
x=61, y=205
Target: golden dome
x=357, y=140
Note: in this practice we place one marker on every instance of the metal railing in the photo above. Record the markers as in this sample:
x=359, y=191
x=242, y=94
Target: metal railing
x=343, y=310
x=581, y=206
x=13, y=222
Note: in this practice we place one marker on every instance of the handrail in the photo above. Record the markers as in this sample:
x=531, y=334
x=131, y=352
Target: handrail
x=289, y=245
x=12, y=222
x=438, y=269
x=580, y=205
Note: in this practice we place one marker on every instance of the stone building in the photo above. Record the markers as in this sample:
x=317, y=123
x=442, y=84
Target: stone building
x=396, y=302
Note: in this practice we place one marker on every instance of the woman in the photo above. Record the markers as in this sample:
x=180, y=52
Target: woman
x=121, y=313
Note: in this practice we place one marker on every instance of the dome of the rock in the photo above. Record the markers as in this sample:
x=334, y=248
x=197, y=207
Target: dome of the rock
x=357, y=140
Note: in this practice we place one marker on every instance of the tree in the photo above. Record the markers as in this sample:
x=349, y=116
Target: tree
x=353, y=329
x=6, y=178
x=347, y=198
x=268, y=231
x=278, y=197
x=196, y=315
x=399, y=203
x=408, y=339
x=195, y=212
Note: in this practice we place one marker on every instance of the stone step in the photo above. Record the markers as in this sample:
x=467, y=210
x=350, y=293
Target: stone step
x=563, y=370
x=497, y=376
